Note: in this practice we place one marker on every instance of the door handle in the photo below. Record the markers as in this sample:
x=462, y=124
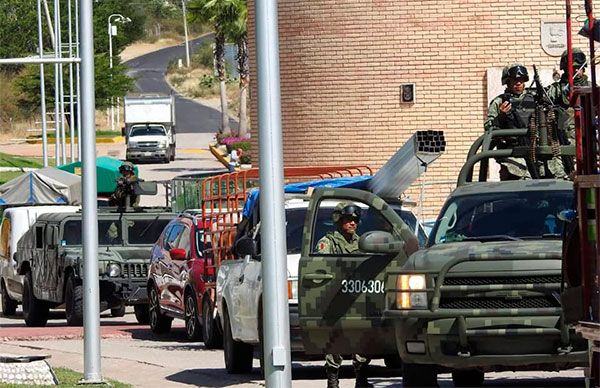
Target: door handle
x=318, y=276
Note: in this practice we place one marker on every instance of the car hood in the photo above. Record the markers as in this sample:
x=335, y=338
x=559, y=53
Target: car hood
x=124, y=254
x=482, y=256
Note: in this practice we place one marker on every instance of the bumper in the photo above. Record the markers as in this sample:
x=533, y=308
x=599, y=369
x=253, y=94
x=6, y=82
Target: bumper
x=152, y=153
x=491, y=344
x=122, y=290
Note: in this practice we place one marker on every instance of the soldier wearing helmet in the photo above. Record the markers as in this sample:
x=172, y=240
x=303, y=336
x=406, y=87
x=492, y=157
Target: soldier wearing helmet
x=511, y=109
x=343, y=240
x=125, y=187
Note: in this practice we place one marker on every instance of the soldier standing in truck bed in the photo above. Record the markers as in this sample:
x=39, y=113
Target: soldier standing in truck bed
x=125, y=187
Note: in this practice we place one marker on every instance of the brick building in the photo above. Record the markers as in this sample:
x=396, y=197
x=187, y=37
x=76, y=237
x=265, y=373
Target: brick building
x=343, y=61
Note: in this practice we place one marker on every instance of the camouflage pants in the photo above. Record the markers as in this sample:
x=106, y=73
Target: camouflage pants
x=335, y=360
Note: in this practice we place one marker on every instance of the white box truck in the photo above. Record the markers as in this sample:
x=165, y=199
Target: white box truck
x=150, y=127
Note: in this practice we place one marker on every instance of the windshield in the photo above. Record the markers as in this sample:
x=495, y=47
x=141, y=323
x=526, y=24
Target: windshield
x=147, y=130
x=502, y=216
x=109, y=232
x=146, y=231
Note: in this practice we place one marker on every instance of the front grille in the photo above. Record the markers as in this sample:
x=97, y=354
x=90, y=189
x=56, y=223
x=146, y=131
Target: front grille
x=148, y=144
x=135, y=270
x=484, y=281
x=499, y=303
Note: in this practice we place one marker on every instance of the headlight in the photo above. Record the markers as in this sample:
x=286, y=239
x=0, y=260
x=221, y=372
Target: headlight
x=162, y=143
x=113, y=270
x=133, y=143
x=406, y=297
x=293, y=288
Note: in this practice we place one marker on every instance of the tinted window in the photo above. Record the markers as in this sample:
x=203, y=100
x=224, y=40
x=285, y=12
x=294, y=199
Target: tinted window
x=184, y=241
x=147, y=130
x=526, y=215
x=109, y=232
x=172, y=236
x=145, y=231
x=39, y=237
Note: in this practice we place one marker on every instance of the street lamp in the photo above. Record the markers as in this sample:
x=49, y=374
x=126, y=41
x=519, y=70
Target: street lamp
x=112, y=31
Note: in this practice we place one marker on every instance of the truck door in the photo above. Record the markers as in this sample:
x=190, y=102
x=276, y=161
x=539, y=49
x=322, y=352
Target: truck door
x=341, y=296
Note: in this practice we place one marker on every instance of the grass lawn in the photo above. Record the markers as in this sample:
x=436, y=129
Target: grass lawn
x=69, y=378
x=5, y=176
x=52, y=135
x=7, y=160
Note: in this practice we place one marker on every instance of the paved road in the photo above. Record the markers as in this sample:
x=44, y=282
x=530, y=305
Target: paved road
x=149, y=71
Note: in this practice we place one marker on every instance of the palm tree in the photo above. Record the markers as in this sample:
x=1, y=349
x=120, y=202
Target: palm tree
x=238, y=33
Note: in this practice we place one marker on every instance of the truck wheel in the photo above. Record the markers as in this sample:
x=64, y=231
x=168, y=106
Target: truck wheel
x=193, y=330
x=210, y=332
x=419, y=375
x=9, y=305
x=118, y=312
x=35, y=311
x=141, y=313
x=172, y=154
x=392, y=361
x=468, y=378
x=238, y=355
x=159, y=323
x=74, y=302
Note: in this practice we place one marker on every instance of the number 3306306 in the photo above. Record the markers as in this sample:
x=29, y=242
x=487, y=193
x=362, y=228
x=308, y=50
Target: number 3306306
x=352, y=286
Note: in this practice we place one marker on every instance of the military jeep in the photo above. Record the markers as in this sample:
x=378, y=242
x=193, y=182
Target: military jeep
x=50, y=258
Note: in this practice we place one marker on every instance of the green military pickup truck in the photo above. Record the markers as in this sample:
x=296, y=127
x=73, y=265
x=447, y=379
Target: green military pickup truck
x=50, y=258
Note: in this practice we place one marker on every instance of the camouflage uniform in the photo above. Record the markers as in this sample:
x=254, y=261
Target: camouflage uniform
x=336, y=243
x=125, y=187
x=523, y=106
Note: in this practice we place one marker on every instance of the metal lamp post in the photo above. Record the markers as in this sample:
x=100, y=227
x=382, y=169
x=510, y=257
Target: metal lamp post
x=118, y=18
x=185, y=30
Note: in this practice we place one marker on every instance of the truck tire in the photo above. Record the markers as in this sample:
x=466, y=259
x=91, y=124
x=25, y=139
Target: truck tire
x=468, y=378
x=9, y=305
x=159, y=323
x=193, y=329
x=141, y=313
x=118, y=312
x=392, y=361
x=238, y=355
x=172, y=154
x=73, y=301
x=419, y=375
x=35, y=311
x=210, y=332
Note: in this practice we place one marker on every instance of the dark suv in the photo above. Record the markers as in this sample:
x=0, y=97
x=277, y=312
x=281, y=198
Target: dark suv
x=180, y=281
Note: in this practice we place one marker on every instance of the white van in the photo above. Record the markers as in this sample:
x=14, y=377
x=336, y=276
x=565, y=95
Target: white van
x=15, y=222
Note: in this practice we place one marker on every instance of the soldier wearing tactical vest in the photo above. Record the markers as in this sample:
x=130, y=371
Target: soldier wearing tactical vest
x=125, y=187
x=558, y=93
x=511, y=109
x=343, y=240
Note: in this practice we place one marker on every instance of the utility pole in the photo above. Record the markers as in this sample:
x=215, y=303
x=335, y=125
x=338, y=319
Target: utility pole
x=42, y=87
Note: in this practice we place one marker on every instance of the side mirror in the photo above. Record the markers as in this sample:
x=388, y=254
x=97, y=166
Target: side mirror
x=246, y=246
x=177, y=253
x=379, y=242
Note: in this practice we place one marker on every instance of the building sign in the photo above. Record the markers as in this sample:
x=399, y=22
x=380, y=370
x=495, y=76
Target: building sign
x=554, y=37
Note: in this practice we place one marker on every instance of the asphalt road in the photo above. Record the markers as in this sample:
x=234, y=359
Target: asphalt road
x=149, y=71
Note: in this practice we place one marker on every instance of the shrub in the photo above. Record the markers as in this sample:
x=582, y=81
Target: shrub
x=204, y=56
x=243, y=145
x=230, y=140
x=245, y=159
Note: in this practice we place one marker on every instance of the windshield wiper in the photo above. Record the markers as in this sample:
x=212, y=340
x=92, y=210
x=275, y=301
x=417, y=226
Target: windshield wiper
x=493, y=237
x=149, y=225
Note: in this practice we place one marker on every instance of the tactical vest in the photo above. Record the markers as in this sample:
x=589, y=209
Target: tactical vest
x=522, y=107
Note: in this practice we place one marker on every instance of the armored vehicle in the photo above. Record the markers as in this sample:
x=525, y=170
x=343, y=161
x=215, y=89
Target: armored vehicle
x=49, y=257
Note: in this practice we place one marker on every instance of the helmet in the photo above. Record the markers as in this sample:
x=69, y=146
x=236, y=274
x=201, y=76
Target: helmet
x=126, y=166
x=516, y=70
x=345, y=209
x=579, y=59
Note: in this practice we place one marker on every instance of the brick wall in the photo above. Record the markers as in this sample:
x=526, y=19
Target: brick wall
x=342, y=62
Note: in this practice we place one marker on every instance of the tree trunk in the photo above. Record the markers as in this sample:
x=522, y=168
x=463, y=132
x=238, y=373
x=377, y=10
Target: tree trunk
x=220, y=64
x=242, y=58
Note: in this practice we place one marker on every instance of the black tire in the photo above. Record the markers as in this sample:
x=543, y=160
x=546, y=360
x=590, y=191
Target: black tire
x=172, y=154
x=35, y=311
x=193, y=329
x=118, y=312
x=468, y=378
x=73, y=301
x=141, y=313
x=9, y=305
x=238, y=355
x=159, y=323
x=419, y=375
x=392, y=361
x=210, y=332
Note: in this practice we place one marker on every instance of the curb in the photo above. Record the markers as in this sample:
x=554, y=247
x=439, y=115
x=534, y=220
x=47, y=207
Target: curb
x=19, y=169
x=115, y=139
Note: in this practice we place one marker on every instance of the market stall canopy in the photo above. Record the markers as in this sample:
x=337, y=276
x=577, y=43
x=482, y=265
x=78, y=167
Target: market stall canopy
x=44, y=186
x=107, y=172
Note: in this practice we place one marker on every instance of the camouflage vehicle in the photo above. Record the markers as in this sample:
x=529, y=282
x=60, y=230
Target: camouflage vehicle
x=49, y=256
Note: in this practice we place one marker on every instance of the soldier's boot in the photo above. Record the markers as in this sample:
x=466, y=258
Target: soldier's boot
x=360, y=369
x=332, y=377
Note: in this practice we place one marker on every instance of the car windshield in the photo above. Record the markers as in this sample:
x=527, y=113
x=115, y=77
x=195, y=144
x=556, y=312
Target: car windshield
x=109, y=232
x=145, y=231
x=147, y=130
x=502, y=216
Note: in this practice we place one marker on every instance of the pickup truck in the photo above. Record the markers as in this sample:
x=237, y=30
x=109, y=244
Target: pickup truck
x=150, y=128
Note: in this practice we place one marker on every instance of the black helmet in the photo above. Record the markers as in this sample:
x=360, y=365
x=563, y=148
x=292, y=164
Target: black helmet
x=516, y=70
x=345, y=209
x=579, y=59
x=126, y=166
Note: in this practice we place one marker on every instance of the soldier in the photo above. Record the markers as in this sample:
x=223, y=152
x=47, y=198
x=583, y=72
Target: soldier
x=511, y=109
x=125, y=187
x=343, y=240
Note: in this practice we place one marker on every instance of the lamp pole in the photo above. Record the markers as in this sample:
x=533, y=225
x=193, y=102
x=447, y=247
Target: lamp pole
x=185, y=30
x=122, y=19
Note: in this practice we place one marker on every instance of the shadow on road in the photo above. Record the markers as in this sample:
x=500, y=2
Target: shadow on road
x=215, y=377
